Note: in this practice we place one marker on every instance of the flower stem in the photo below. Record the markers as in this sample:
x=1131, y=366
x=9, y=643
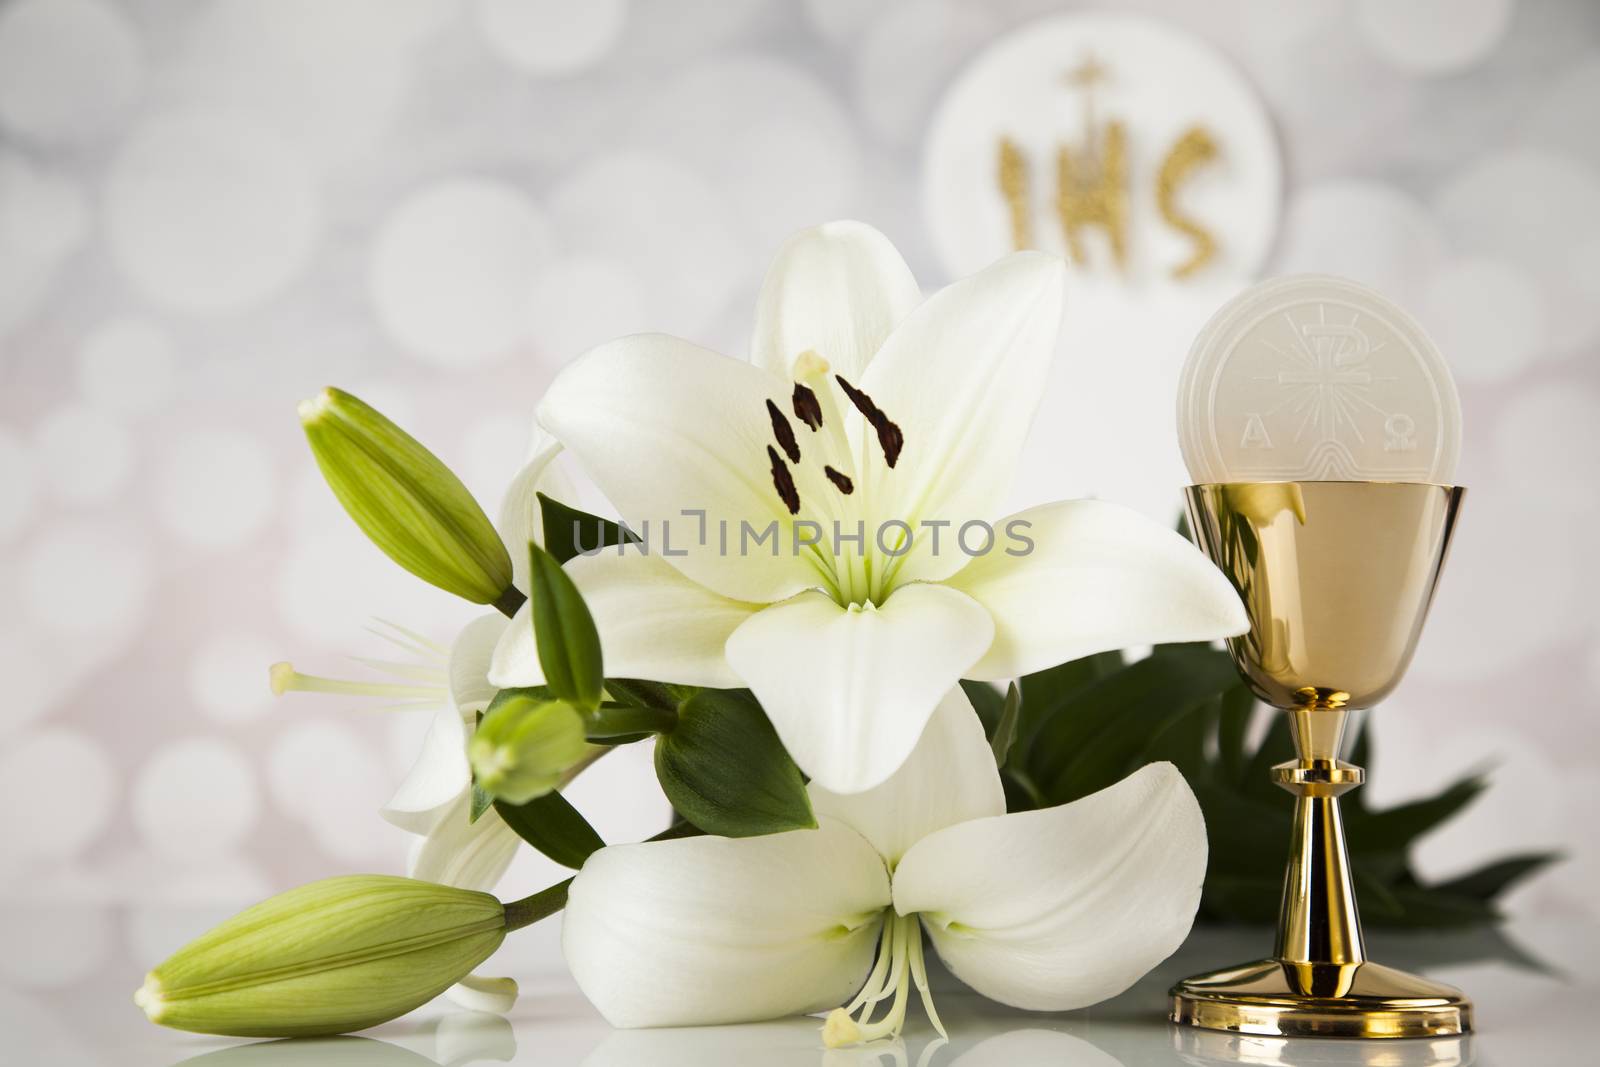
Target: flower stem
x=544, y=903
x=509, y=601
x=548, y=901
x=622, y=720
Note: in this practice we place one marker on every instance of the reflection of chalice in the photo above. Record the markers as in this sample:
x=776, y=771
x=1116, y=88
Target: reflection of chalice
x=1337, y=578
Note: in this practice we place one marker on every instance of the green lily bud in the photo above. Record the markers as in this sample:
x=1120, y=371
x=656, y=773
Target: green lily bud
x=337, y=955
x=524, y=746
x=406, y=500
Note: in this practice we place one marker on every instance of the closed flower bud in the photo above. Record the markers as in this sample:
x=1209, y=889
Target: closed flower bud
x=524, y=746
x=406, y=500
x=326, y=958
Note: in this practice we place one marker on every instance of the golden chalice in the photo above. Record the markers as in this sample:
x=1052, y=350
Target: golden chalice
x=1337, y=577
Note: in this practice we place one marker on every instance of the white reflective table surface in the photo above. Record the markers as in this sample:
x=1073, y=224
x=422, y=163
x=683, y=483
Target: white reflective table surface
x=1536, y=985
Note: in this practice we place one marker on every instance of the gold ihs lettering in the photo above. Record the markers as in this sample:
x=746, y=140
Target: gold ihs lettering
x=1092, y=184
x=1092, y=190
x=1014, y=187
x=1194, y=149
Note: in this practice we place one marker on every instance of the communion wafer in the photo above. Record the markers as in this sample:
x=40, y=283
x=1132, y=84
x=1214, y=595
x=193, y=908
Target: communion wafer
x=1316, y=378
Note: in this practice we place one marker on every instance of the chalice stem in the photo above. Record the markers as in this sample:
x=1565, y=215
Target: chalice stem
x=1317, y=921
x=1319, y=929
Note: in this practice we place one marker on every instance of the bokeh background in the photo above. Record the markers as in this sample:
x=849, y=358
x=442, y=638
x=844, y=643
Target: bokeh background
x=208, y=210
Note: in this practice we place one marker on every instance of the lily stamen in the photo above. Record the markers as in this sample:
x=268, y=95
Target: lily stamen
x=899, y=966
x=284, y=679
x=783, y=482
x=890, y=437
x=783, y=433
x=420, y=681
x=806, y=407
x=880, y=968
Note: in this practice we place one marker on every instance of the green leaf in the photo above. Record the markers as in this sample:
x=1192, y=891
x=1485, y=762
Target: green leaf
x=1021, y=793
x=1355, y=802
x=1005, y=731
x=569, y=532
x=1096, y=722
x=1094, y=742
x=649, y=694
x=1377, y=900
x=986, y=701
x=1276, y=747
x=481, y=802
x=1431, y=908
x=724, y=769
x=1046, y=692
x=1241, y=899
x=563, y=630
x=1246, y=837
x=553, y=826
x=1492, y=879
x=1181, y=741
x=1233, y=723
x=680, y=829
x=1181, y=646
x=1396, y=828
x=1361, y=750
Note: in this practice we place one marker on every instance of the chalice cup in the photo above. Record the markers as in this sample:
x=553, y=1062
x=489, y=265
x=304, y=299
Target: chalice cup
x=1337, y=578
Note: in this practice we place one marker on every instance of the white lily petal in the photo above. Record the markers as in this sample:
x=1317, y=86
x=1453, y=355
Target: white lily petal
x=436, y=779
x=520, y=518
x=1057, y=909
x=664, y=426
x=1099, y=576
x=479, y=993
x=516, y=656
x=469, y=855
x=653, y=622
x=470, y=688
x=962, y=377
x=949, y=777
x=836, y=290
x=849, y=690
x=707, y=930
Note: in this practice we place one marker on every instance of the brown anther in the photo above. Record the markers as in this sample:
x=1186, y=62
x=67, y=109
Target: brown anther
x=840, y=481
x=806, y=407
x=890, y=438
x=783, y=481
x=784, y=433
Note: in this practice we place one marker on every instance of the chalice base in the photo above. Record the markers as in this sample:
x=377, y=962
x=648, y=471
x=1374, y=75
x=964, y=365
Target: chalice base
x=1273, y=997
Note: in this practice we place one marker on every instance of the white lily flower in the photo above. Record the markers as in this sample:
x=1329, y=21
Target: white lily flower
x=434, y=800
x=865, y=406
x=1045, y=910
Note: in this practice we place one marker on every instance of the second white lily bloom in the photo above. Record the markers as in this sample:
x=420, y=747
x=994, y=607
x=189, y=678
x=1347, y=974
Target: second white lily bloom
x=895, y=422
x=1045, y=910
